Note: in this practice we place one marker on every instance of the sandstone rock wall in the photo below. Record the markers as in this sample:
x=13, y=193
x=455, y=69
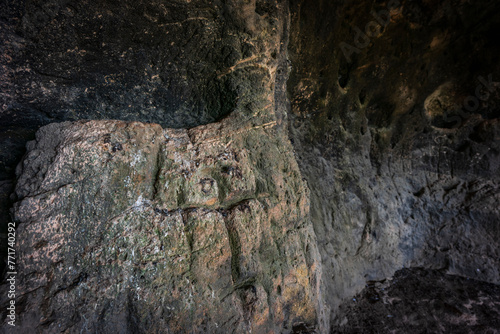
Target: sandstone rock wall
x=203, y=222
x=398, y=176
x=130, y=227
x=126, y=227
x=176, y=63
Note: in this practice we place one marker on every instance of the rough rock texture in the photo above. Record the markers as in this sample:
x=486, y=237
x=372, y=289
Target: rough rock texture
x=169, y=62
x=126, y=227
x=177, y=63
x=423, y=301
x=397, y=176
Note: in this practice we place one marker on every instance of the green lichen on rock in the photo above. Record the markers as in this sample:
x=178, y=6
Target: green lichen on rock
x=171, y=224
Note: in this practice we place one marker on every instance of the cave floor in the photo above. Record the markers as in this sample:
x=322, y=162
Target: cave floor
x=423, y=301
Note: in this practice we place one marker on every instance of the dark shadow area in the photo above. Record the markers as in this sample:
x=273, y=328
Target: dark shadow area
x=422, y=301
x=398, y=144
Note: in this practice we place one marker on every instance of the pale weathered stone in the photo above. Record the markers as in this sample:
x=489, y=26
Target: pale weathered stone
x=126, y=227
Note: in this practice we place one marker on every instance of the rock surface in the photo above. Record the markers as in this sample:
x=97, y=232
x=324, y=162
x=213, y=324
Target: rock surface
x=398, y=177
x=423, y=301
x=178, y=63
x=126, y=227
x=129, y=227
